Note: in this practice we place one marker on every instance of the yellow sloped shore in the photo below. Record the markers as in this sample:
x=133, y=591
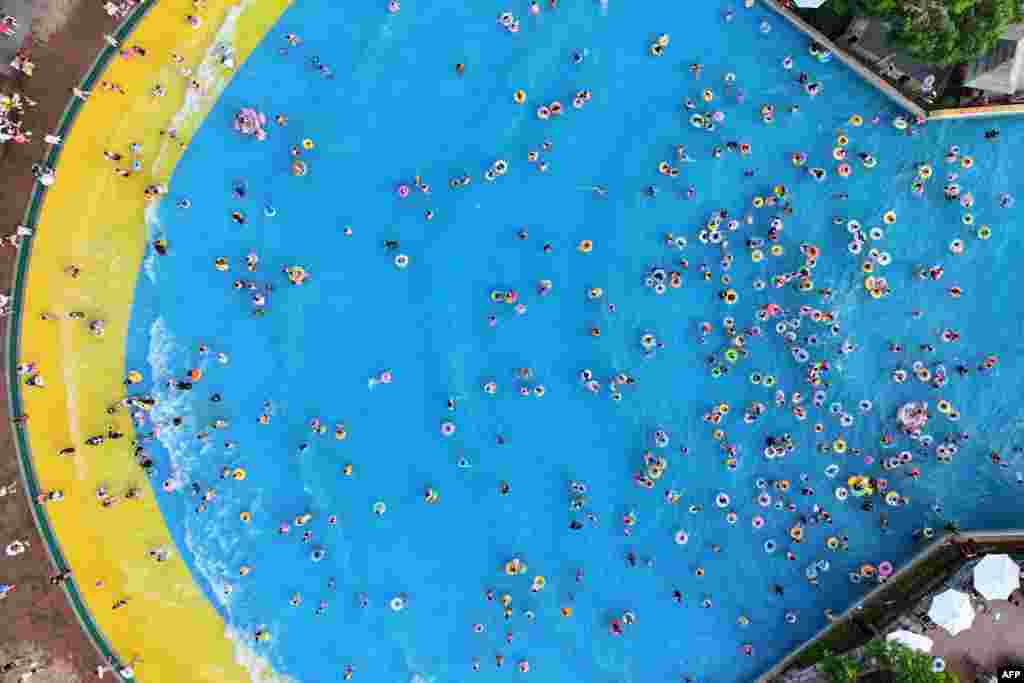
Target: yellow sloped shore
x=94, y=219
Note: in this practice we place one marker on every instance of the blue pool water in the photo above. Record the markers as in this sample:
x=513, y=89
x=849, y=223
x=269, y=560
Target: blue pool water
x=397, y=109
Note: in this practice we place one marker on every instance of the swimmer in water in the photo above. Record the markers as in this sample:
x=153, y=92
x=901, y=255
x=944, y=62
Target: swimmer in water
x=597, y=190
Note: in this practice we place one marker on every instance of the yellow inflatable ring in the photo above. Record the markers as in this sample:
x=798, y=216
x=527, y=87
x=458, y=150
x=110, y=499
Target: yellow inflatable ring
x=758, y=202
x=757, y=256
x=944, y=407
x=776, y=250
x=856, y=121
x=842, y=140
x=839, y=446
x=307, y=144
x=238, y=474
x=889, y=217
x=519, y=97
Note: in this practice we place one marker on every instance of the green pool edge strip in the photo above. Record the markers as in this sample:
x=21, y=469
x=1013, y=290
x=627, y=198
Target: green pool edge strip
x=19, y=431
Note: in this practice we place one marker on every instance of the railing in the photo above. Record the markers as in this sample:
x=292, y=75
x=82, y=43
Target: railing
x=19, y=432
x=877, y=610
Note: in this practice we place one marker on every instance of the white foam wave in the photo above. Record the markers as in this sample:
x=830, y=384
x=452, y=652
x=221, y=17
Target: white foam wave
x=212, y=76
x=259, y=668
x=153, y=226
x=213, y=571
x=160, y=357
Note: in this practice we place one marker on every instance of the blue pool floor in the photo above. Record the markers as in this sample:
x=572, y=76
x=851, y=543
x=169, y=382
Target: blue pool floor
x=396, y=109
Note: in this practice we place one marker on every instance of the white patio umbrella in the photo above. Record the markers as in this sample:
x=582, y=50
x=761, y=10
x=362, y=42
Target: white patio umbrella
x=810, y=4
x=952, y=611
x=996, y=576
x=912, y=640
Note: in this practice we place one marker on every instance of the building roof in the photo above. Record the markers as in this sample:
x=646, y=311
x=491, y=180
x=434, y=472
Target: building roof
x=1002, y=69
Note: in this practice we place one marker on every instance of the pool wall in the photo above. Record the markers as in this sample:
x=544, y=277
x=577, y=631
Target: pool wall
x=107, y=549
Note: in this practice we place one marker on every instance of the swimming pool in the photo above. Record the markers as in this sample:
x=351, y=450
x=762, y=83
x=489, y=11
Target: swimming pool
x=396, y=109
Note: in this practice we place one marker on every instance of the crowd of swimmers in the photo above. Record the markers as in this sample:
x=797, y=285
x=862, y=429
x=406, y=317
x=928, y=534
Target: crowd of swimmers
x=811, y=334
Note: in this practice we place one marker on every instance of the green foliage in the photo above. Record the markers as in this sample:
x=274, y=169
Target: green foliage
x=964, y=30
x=872, y=8
x=939, y=31
x=839, y=668
x=907, y=666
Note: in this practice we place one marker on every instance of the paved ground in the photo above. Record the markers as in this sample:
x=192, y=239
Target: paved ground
x=36, y=621
x=987, y=644
x=23, y=10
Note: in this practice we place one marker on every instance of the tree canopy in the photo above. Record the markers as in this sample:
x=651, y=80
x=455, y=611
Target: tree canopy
x=939, y=31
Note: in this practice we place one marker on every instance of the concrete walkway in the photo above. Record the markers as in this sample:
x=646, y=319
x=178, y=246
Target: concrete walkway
x=987, y=644
x=22, y=9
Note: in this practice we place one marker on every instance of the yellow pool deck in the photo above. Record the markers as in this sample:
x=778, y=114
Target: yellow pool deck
x=94, y=219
